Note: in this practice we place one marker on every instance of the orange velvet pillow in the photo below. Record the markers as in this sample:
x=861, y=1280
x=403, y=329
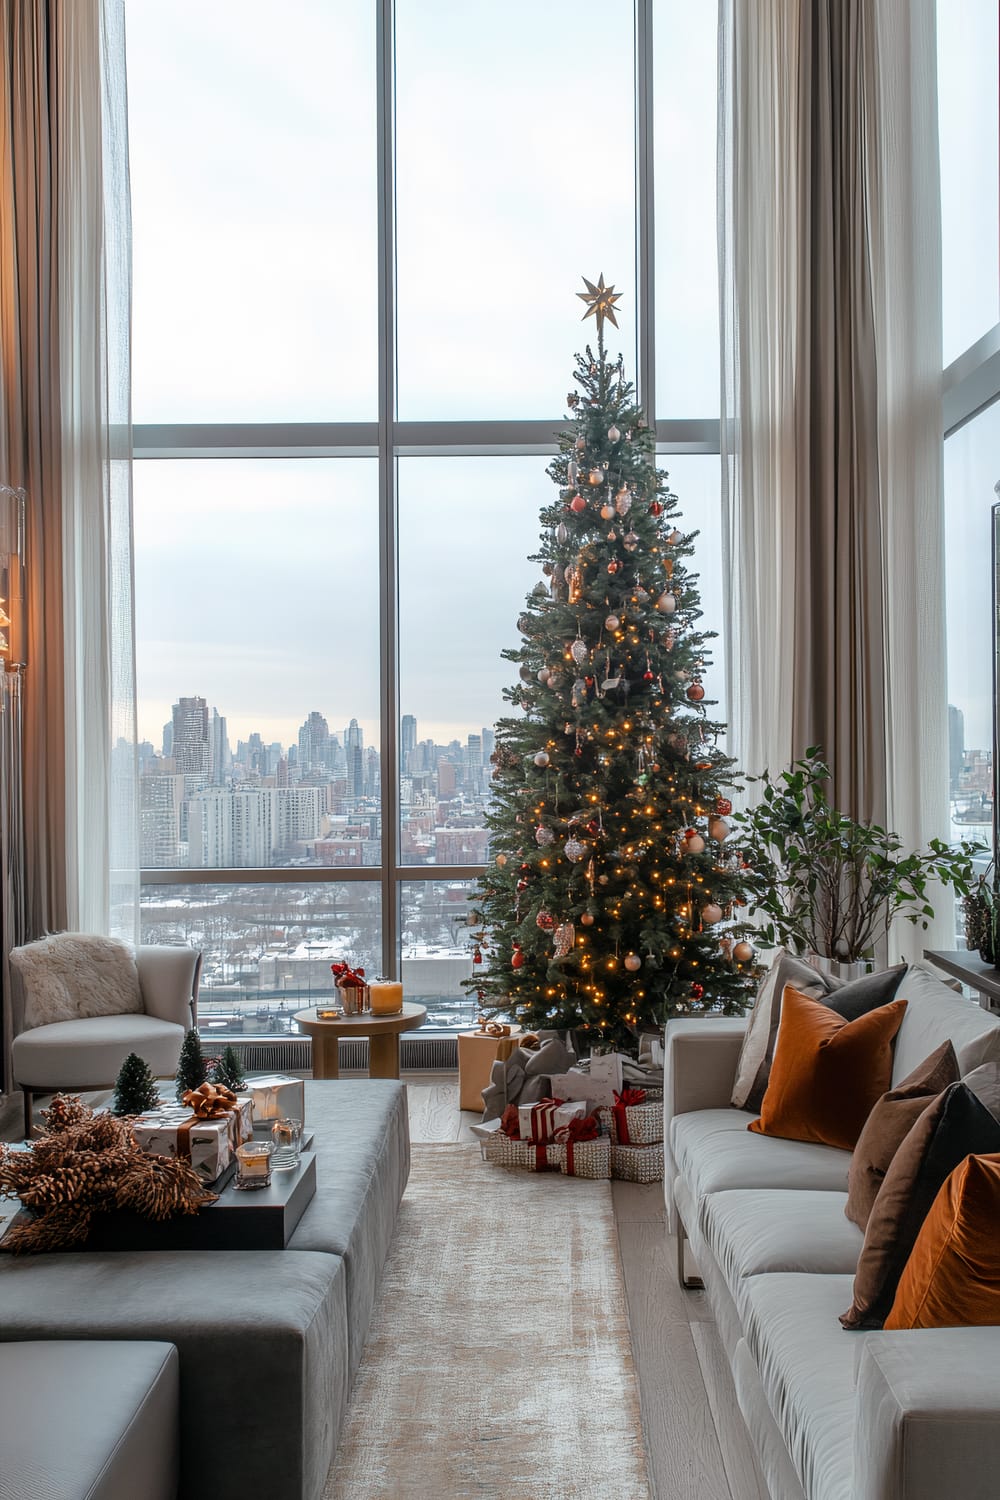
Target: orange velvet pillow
x=952, y=1278
x=827, y=1073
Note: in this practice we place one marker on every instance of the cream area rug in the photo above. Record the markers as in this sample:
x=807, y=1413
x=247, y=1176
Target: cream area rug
x=499, y=1363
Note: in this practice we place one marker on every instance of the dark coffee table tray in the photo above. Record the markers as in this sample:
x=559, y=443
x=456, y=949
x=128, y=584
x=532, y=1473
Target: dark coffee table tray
x=261, y=1219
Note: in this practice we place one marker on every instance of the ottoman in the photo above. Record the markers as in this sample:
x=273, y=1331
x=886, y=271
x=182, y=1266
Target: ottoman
x=82, y=1421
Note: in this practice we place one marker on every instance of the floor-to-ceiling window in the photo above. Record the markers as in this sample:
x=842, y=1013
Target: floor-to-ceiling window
x=358, y=235
x=969, y=108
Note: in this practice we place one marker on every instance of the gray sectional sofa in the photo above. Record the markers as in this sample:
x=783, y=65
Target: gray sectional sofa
x=834, y=1415
x=267, y=1343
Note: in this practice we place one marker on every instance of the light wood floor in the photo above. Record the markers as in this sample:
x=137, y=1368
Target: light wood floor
x=697, y=1445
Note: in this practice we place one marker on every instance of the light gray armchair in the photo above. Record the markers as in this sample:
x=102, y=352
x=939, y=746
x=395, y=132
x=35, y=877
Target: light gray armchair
x=87, y=1052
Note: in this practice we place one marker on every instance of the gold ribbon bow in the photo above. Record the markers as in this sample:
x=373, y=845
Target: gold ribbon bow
x=211, y=1101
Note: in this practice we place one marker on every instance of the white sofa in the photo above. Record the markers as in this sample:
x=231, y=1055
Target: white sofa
x=833, y=1415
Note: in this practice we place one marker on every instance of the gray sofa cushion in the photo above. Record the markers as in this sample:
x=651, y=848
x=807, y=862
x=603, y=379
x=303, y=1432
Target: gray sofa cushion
x=88, y=1421
x=758, y=1230
x=714, y=1150
x=262, y=1341
x=88, y=1054
x=361, y=1130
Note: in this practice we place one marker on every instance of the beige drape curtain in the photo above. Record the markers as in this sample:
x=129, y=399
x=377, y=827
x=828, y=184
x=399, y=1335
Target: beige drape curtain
x=65, y=437
x=830, y=280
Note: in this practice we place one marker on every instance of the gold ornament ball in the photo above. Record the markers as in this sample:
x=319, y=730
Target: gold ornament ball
x=711, y=913
x=501, y=860
x=742, y=952
x=586, y=919
x=719, y=829
x=633, y=962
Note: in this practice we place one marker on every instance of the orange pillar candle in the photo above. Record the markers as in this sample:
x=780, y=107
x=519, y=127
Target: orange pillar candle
x=386, y=997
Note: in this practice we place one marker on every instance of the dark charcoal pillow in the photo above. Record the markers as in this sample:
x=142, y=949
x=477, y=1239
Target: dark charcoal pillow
x=888, y=1126
x=867, y=993
x=952, y=1127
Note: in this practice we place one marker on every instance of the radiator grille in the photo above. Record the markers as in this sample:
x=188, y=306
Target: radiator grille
x=292, y=1054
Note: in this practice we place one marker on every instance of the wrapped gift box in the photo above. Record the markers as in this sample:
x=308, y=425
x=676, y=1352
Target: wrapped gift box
x=638, y=1163
x=643, y=1124
x=578, y=1159
x=277, y=1096
x=207, y=1144
x=539, y=1122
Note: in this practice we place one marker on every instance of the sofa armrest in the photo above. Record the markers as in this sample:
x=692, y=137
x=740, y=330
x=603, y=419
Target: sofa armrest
x=928, y=1404
x=699, y=1067
x=168, y=978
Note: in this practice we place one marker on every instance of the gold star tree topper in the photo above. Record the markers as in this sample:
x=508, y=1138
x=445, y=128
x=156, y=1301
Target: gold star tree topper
x=600, y=301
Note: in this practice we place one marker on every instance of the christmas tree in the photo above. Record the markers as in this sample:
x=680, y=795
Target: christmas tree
x=192, y=1071
x=228, y=1070
x=136, y=1090
x=613, y=896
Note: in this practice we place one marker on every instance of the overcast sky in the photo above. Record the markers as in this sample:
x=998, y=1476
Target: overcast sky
x=253, y=187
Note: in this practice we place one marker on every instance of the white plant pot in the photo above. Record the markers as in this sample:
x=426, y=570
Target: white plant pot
x=839, y=969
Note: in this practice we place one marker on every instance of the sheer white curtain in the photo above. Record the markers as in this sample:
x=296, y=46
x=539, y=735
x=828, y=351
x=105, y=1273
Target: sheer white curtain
x=830, y=283
x=94, y=295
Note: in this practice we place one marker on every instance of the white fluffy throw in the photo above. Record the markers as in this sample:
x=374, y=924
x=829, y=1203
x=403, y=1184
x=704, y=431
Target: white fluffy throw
x=72, y=975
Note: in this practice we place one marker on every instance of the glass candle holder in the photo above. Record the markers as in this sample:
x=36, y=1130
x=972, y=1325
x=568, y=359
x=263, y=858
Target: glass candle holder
x=387, y=997
x=253, y=1164
x=286, y=1137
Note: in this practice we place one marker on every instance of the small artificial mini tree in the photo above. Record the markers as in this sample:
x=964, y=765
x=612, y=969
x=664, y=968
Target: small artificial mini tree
x=192, y=1070
x=612, y=901
x=136, y=1089
x=229, y=1070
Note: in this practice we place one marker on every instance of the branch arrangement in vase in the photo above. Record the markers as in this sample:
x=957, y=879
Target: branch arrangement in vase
x=824, y=883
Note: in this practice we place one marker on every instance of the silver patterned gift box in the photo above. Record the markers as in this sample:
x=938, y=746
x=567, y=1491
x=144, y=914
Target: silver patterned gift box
x=277, y=1096
x=638, y=1163
x=644, y=1123
x=578, y=1159
x=207, y=1144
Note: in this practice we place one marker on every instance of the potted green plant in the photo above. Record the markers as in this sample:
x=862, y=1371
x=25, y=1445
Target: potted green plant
x=982, y=916
x=827, y=885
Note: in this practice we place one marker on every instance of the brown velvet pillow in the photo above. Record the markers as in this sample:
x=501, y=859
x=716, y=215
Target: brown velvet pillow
x=827, y=1072
x=952, y=1126
x=952, y=1278
x=888, y=1125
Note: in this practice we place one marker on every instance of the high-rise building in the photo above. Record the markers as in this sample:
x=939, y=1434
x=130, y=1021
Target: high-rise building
x=956, y=746
x=314, y=743
x=354, y=745
x=190, y=744
x=221, y=756
x=407, y=740
x=161, y=801
x=250, y=825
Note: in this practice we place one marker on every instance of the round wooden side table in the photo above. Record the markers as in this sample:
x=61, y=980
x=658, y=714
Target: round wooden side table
x=383, y=1033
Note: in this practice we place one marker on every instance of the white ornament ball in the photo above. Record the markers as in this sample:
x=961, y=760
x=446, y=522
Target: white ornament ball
x=555, y=681
x=542, y=759
x=596, y=476
x=674, y=538
x=711, y=913
x=543, y=836
x=694, y=844
x=543, y=675
x=742, y=952
x=718, y=829
x=607, y=511
x=633, y=962
x=574, y=850
x=613, y=434
x=612, y=622
x=666, y=604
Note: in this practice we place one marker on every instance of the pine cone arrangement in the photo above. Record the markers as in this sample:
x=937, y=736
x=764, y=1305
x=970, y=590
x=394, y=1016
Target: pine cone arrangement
x=89, y=1164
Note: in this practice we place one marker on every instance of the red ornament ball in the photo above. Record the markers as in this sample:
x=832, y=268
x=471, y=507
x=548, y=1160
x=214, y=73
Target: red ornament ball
x=696, y=692
x=577, y=504
x=697, y=991
x=612, y=566
x=656, y=509
x=477, y=956
x=723, y=806
x=647, y=676
x=586, y=919
x=522, y=884
x=517, y=957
